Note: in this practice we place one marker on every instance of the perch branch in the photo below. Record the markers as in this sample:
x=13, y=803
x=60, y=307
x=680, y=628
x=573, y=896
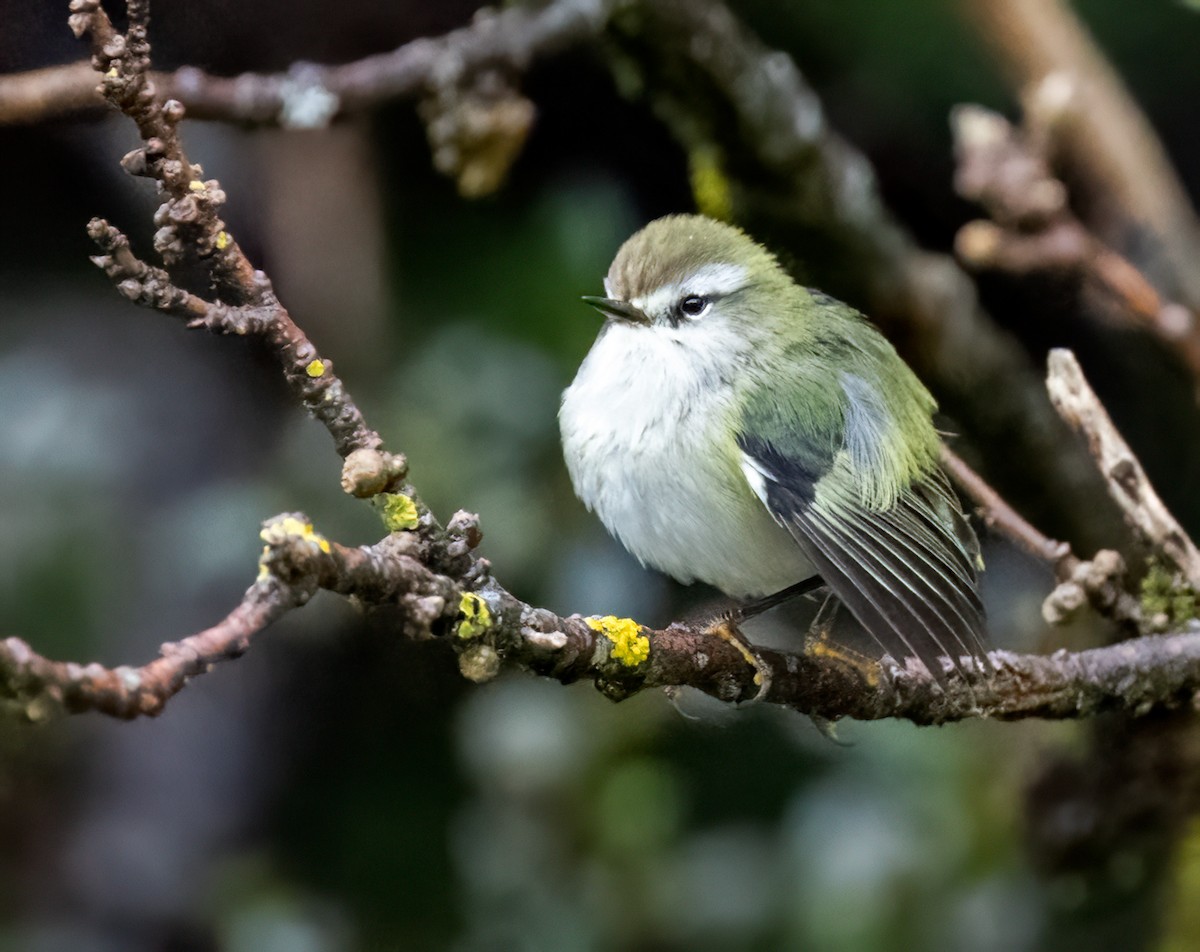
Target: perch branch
x=489, y=627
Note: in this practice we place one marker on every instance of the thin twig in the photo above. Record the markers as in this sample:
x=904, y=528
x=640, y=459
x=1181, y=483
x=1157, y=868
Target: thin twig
x=1034, y=230
x=311, y=95
x=1098, y=581
x=1104, y=132
x=1144, y=511
x=124, y=692
x=998, y=514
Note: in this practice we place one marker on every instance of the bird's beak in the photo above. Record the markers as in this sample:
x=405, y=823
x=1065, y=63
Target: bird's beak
x=621, y=310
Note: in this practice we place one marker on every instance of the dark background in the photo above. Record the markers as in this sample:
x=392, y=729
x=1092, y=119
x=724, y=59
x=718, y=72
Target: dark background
x=339, y=788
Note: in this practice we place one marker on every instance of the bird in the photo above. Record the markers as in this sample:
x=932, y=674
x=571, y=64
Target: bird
x=733, y=427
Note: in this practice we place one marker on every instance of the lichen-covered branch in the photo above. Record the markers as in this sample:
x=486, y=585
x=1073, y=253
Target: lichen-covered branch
x=445, y=592
x=189, y=228
x=309, y=375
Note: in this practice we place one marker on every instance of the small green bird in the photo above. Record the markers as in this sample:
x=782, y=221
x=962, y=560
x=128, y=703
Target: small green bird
x=732, y=427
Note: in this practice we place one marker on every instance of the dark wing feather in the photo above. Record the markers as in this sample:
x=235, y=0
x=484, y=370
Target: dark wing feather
x=908, y=573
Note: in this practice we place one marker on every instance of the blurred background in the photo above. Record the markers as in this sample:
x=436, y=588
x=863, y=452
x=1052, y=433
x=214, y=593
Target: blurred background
x=340, y=789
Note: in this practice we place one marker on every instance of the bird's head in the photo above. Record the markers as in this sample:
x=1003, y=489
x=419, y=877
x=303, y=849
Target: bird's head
x=687, y=271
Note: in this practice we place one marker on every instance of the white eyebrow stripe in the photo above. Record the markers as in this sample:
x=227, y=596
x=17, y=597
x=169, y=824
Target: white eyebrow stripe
x=716, y=279
x=712, y=280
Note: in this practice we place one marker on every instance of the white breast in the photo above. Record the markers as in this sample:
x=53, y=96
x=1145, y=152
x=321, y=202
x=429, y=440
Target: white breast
x=647, y=430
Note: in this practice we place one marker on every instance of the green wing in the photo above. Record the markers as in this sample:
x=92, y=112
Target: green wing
x=853, y=477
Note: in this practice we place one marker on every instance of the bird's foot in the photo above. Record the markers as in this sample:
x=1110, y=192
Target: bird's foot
x=725, y=627
x=819, y=644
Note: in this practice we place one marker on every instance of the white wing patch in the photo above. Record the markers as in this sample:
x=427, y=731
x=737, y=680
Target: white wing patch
x=756, y=475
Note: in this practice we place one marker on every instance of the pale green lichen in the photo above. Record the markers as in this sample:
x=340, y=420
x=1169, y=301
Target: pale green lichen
x=398, y=511
x=1165, y=595
x=475, y=617
x=479, y=663
x=629, y=646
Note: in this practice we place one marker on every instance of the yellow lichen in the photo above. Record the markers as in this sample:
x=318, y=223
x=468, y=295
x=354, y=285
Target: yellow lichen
x=710, y=187
x=279, y=530
x=629, y=646
x=475, y=619
x=112, y=73
x=398, y=512
x=223, y=241
x=315, y=368
x=196, y=185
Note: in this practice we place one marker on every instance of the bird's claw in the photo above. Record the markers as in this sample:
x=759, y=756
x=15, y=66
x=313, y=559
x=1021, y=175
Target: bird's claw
x=725, y=627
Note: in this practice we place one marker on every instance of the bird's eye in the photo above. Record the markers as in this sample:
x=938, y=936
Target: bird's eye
x=693, y=306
